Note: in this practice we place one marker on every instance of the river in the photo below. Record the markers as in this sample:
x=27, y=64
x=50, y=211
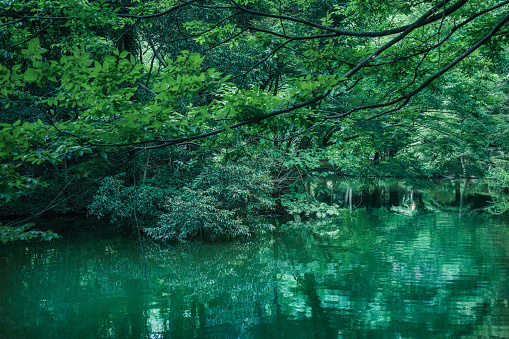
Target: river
x=403, y=273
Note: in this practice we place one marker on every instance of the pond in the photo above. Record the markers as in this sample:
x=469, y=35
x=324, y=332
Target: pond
x=403, y=273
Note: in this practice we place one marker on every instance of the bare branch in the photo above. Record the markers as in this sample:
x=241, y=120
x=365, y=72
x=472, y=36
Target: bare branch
x=262, y=61
x=128, y=29
x=156, y=53
x=224, y=41
x=297, y=37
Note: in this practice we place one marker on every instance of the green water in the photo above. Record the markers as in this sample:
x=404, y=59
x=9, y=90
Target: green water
x=375, y=275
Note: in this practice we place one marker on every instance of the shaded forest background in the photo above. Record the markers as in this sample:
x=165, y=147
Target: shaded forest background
x=196, y=118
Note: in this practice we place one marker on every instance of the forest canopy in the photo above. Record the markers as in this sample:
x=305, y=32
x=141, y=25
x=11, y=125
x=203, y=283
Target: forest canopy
x=153, y=99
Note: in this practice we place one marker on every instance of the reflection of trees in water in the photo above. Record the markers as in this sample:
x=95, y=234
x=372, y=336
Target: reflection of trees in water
x=375, y=275
x=403, y=196
x=433, y=278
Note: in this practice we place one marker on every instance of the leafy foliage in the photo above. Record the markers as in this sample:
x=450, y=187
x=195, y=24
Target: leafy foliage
x=224, y=200
x=8, y=233
x=499, y=187
x=371, y=88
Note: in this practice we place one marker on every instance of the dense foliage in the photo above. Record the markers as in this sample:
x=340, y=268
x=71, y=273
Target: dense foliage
x=222, y=200
x=93, y=89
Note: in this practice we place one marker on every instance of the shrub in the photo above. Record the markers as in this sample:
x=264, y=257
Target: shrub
x=224, y=200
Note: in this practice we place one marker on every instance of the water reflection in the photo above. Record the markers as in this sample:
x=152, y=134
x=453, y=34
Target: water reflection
x=463, y=196
x=377, y=275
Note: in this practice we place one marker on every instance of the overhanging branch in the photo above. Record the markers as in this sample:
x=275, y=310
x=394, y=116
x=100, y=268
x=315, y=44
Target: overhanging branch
x=340, y=32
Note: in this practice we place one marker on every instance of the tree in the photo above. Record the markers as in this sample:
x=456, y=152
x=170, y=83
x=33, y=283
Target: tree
x=90, y=82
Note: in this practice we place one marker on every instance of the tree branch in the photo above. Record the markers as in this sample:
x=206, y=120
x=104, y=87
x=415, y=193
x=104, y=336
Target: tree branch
x=155, y=15
x=339, y=32
x=161, y=60
x=409, y=95
x=27, y=40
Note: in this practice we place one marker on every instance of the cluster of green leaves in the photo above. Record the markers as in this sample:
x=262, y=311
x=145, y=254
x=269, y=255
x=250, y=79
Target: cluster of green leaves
x=118, y=202
x=91, y=81
x=224, y=200
x=8, y=233
x=499, y=188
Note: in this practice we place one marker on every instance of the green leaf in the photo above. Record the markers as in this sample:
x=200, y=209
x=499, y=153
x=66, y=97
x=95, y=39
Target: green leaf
x=226, y=127
x=31, y=75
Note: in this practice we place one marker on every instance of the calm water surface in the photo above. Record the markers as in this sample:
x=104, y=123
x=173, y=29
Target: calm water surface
x=377, y=275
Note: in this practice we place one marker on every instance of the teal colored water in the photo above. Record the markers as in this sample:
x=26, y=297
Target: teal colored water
x=381, y=275
x=375, y=274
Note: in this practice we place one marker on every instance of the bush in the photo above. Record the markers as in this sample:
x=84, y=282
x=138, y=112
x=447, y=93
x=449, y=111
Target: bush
x=498, y=186
x=116, y=201
x=224, y=200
